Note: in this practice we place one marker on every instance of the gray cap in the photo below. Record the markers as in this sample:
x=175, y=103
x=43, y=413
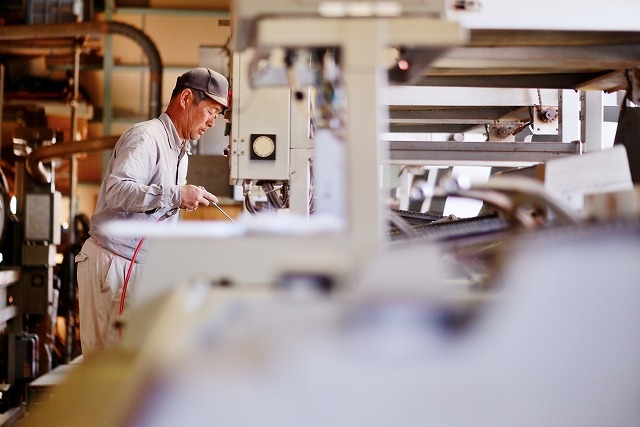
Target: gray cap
x=213, y=84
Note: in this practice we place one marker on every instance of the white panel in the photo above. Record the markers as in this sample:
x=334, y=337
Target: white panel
x=261, y=111
x=38, y=217
x=570, y=178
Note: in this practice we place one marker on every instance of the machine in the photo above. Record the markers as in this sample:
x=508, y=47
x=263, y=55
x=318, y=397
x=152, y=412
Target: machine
x=38, y=313
x=323, y=318
x=272, y=153
x=29, y=240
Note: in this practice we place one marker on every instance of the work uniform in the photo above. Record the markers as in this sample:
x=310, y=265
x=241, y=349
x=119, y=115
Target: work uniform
x=142, y=182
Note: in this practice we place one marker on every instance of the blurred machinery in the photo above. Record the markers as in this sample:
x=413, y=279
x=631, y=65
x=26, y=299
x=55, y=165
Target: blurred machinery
x=29, y=240
x=505, y=319
x=502, y=327
x=547, y=343
x=38, y=303
x=291, y=126
x=38, y=211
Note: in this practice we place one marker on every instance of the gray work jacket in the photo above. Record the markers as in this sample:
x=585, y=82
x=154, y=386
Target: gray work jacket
x=142, y=181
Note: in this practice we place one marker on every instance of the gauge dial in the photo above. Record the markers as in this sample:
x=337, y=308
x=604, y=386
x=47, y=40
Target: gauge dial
x=263, y=146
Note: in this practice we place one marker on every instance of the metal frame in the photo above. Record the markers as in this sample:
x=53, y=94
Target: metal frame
x=478, y=153
x=363, y=73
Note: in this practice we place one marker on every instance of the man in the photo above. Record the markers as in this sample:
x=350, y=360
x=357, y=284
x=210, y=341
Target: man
x=145, y=179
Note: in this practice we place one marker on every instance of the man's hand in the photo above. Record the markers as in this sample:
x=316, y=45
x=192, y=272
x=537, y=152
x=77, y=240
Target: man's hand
x=192, y=196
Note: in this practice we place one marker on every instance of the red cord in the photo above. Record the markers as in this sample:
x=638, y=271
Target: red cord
x=126, y=279
x=123, y=295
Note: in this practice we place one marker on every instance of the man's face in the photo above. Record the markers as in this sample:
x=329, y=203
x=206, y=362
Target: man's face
x=201, y=117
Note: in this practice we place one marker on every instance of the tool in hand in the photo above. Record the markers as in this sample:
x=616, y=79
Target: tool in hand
x=219, y=208
x=225, y=214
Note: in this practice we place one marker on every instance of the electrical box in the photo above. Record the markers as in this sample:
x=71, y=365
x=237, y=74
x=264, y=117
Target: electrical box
x=23, y=357
x=37, y=287
x=42, y=221
x=260, y=127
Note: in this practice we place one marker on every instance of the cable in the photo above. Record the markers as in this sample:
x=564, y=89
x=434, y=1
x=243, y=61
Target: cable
x=247, y=203
x=126, y=279
x=166, y=215
x=123, y=295
x=272, y=197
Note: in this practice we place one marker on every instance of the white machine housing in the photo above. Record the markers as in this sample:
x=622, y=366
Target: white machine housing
x=258, y=115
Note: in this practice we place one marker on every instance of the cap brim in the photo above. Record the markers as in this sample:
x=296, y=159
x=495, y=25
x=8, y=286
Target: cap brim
x=218, y=99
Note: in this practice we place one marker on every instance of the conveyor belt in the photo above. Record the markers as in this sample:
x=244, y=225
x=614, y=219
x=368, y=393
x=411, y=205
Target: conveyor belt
x=438, y=227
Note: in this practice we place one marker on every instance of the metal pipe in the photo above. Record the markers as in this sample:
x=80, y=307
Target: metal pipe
x=48, y=152
x=78, y=31
x=82, y=29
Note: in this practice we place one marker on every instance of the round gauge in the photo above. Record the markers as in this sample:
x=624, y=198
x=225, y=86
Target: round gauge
x=263, y=146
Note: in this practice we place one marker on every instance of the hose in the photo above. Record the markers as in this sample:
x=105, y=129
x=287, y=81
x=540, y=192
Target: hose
x=26, y=33
x=123, y=295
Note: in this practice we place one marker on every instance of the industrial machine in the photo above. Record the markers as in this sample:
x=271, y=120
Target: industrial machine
x=30, y=285
x=323, y=152
x=546, y=344
x=325, y=316
x=38, y=313
x=273, y=153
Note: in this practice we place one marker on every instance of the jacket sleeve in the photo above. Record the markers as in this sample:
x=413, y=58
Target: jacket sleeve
x=140, y=178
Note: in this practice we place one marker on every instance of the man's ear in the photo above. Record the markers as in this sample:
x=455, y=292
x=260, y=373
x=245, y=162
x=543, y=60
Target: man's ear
x=185, y=95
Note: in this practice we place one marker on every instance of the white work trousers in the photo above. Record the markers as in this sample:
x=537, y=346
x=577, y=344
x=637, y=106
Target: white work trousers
x=101, y=276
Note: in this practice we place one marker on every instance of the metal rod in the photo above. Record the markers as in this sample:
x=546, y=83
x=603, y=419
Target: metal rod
x=73, y=164
x=225, y=214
